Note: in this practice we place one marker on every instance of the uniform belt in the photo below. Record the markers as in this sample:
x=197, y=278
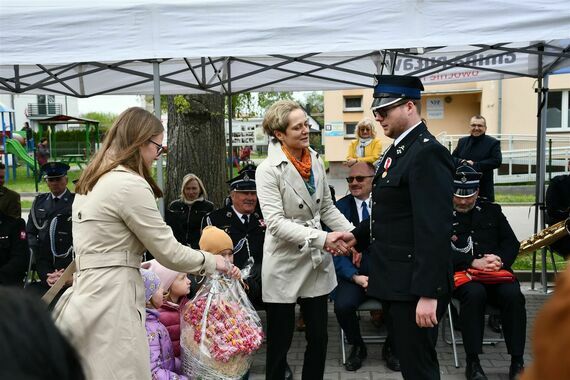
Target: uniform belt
x=108, y=259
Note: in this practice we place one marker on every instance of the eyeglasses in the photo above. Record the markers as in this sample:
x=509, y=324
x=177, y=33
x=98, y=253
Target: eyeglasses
x=364, y=129
x=358, y=178
x=383, y=112
x=159, y=147
x=477, y=125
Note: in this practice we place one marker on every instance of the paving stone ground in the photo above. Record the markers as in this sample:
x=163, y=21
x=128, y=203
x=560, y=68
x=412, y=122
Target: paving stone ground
x=495, y=360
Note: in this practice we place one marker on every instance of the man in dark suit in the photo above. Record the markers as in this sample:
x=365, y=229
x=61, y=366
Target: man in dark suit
x=52, y=246
x=480, y=151
x=558, y=209
x=9, y=200
x=13, y=250
x=410, y=227
x=352, y=276
x=483, y=239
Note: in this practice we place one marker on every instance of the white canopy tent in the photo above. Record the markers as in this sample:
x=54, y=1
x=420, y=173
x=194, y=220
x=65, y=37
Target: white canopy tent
x=232, y=46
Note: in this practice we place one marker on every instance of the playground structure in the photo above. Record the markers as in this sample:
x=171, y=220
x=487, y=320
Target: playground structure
x=13, y=142
x=79, y=157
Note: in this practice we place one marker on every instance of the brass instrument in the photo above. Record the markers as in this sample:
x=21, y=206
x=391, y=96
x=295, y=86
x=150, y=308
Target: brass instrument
x=546, y=237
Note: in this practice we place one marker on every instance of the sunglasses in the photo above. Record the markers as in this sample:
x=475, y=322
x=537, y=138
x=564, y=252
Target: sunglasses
x=383, y=112
x=159, y=147
x=358, y=178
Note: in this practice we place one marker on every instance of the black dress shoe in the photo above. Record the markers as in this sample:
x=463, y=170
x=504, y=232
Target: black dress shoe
x=288, y=372
x=515, y=370
x=392, y=361
x=357, y=354
x=473, y=371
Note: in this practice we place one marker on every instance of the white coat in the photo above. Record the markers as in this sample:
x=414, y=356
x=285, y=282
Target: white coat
x=103, y=313
x=294, y=263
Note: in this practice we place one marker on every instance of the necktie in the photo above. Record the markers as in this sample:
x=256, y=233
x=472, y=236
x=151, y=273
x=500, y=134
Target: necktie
x=56, y=199
x=245, y=219
x=365, y=213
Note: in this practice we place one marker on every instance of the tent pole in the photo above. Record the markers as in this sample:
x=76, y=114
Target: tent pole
x=157, y=113
x=230, y=117
x=540, y=171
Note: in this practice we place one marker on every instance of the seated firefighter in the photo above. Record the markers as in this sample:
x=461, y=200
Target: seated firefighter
x=242, y=221
x=558, y=209
x=483, y=239
x=352, y=277
x=49, y=225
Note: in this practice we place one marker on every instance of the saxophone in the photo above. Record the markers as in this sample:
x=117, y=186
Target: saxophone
x=546, y=237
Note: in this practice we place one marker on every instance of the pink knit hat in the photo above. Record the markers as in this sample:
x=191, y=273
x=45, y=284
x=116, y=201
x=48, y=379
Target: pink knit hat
x=167, y=276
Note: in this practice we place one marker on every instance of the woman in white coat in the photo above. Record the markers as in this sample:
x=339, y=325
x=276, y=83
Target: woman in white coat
x=294, y=196
x=115, y=219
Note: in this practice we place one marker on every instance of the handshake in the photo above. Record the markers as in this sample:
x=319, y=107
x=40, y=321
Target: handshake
x=340, y=243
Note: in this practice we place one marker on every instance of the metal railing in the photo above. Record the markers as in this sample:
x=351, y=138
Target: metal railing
x=37, y=109
x=519, y=156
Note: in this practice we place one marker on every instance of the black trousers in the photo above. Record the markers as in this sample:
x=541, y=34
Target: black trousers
x=280, y=328
x=415, y=346
x=508, y=298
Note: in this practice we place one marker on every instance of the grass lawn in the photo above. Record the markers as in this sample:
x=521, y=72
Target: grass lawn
x=524, y=262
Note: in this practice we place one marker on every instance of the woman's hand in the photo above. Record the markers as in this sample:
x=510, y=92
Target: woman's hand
x=223, y=265
x=339, y=243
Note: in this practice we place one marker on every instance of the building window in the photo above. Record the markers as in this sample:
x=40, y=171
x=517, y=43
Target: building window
x=349, y=129
x=558, y=110
x=353, y=104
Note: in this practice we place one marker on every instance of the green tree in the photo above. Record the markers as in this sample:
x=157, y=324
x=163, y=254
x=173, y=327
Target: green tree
x=266, y=99
x=196, y=144
x=105, y=119
x=315, y=106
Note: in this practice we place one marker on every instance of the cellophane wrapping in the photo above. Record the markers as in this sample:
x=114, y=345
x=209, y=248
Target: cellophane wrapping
x=220, y=331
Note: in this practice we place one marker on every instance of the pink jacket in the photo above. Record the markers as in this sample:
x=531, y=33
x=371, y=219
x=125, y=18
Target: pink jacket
x=170, y=318
x=163, y=364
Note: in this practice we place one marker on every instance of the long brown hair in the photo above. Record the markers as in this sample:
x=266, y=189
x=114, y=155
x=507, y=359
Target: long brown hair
x=132, y=129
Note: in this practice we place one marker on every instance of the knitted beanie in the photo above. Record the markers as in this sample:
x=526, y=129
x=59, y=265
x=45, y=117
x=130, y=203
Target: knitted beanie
x=166, y=276
x=151, y=283
x=215, y=240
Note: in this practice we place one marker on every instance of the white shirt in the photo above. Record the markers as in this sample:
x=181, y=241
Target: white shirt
x=406, y=132
x=239, y=215
x=359, y=207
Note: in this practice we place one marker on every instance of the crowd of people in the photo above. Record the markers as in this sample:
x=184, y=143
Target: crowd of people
x=415, y=216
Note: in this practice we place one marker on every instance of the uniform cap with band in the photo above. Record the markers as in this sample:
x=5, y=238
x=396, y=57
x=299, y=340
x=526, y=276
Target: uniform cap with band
x=466, y=181
x=391, y=89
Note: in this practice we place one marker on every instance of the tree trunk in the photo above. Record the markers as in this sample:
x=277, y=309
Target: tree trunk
x=196, y=144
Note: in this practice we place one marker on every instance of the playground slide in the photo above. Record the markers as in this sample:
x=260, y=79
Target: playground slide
x=14, y=147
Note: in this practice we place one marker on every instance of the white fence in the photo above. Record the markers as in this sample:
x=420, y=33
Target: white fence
x=519, y=156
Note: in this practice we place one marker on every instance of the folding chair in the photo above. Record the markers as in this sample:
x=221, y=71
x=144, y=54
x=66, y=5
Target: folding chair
x=369, y=304
x=454, y=341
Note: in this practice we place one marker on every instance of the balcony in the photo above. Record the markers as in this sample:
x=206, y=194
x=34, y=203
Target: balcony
x=44, y=109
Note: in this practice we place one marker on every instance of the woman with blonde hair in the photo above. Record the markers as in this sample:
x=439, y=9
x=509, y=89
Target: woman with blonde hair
x=366, y=148
x=184, y=215
x=115, y=219
x=294, y=196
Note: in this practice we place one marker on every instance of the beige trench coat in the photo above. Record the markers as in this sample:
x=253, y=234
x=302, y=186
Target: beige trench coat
x=103, y=314
x=294, y=263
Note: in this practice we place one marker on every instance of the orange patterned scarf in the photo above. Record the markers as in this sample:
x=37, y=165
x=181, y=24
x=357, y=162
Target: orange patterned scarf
x=303, y=166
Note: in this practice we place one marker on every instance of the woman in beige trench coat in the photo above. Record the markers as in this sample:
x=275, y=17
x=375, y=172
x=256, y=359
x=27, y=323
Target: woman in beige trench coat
x=115, y=218
x=294, y=196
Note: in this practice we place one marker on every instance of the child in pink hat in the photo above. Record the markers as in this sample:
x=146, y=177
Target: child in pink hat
x=177, y=287
x=163, y=364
